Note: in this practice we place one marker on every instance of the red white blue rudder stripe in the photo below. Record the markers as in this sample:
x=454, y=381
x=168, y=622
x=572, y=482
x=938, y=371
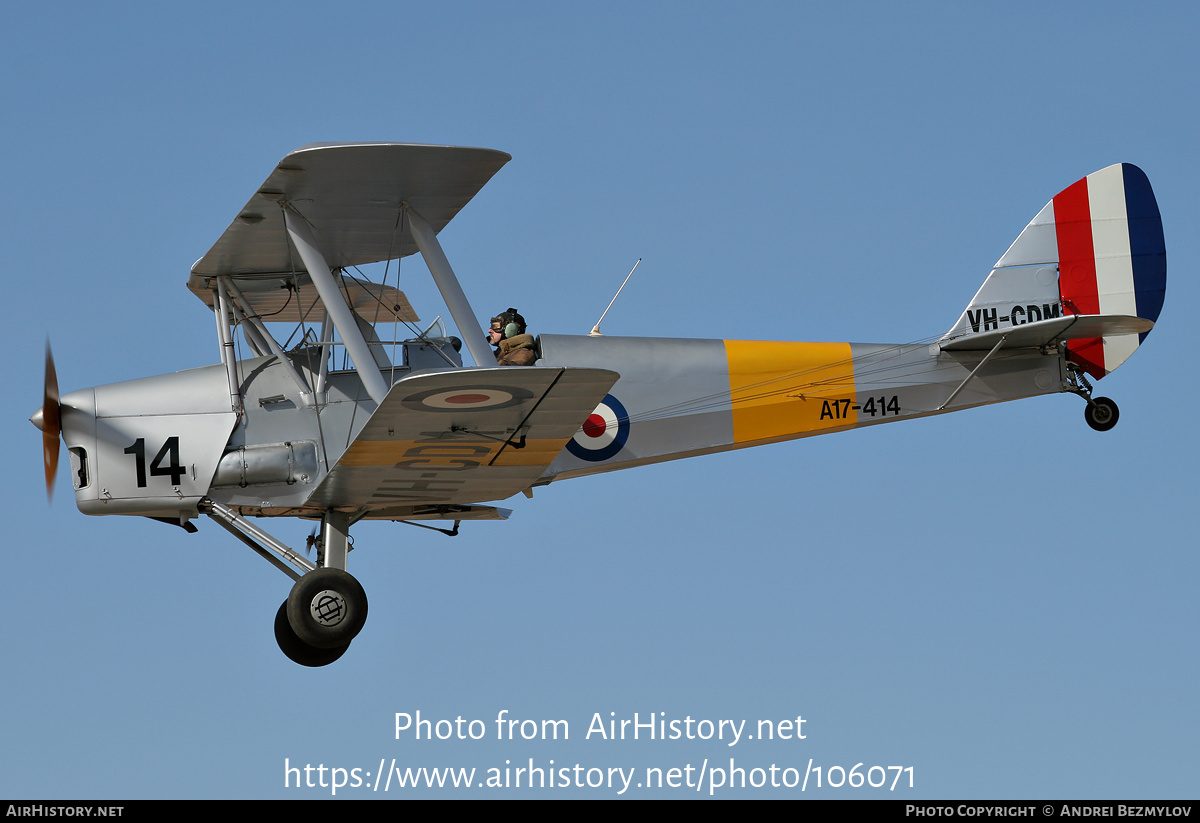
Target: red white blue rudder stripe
x=1105, y=233
x=1112, y=258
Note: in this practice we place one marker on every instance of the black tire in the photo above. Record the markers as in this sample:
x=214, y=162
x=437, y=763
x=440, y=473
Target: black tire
x=296, y=649
x=1101, y=414
x=327, y=608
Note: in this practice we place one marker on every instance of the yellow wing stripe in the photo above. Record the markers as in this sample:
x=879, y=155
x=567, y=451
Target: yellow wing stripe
x=454, y=453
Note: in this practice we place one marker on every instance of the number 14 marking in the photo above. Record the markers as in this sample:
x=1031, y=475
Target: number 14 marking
x=169, y=451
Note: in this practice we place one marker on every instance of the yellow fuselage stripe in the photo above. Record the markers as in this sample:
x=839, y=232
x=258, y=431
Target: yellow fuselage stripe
x=785, y=389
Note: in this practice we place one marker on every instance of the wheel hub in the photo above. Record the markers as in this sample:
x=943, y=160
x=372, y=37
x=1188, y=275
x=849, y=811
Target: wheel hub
x=328, y=608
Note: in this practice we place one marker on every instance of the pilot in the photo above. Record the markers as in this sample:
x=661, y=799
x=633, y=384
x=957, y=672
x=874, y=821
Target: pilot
x=513, y=346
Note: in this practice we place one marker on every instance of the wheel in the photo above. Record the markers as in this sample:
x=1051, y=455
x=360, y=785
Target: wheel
x=327, y=608
x=296, y=649
x=1101, y=414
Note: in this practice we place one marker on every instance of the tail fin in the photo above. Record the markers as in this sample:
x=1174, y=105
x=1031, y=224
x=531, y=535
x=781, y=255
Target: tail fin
x=1096, y=249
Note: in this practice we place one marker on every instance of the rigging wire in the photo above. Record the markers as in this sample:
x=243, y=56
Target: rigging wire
x=820, y=380
x=415, y=330
x=397, y=228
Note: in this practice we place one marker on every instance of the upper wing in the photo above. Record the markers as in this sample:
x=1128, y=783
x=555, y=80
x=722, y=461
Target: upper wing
x=351, y=195
x=462, y=436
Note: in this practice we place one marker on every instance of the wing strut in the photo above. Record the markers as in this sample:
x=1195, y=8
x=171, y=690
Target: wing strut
x=335, y=306
x=228, y=357
x=255, y=324
x=452, y=293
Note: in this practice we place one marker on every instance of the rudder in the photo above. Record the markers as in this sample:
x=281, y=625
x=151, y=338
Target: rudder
x=1095, y=249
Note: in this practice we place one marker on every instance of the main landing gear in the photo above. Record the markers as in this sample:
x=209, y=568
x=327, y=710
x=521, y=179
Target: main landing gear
x=323, y=613
x=1101, y=413
x=326, y=607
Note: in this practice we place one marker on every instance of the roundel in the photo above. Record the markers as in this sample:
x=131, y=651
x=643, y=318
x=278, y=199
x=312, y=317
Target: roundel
x=603, y=434
x=466, y=399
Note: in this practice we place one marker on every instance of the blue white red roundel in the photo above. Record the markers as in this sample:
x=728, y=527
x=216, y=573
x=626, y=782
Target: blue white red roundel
x=603, y=434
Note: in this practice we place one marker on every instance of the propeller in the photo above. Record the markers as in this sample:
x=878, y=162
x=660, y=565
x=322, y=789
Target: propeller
x=49, y=419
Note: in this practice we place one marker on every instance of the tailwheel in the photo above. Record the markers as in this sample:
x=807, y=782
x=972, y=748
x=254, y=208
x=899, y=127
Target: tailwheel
x=327, y=608
x=296, y=649
x=1101, y=413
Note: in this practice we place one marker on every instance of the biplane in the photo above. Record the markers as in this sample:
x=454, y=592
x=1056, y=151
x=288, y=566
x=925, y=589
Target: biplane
x=371, y=415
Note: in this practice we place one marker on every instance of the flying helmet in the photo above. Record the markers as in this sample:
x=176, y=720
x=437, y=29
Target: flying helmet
x=511, y=323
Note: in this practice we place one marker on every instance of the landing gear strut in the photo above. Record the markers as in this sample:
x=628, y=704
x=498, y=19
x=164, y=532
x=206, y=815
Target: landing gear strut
x=1101, y=413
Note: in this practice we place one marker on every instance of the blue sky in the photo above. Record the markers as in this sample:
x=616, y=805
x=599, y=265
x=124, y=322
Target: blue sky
x=1001, y=599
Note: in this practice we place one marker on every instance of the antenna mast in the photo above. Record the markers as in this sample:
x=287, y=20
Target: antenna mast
x=595, y=332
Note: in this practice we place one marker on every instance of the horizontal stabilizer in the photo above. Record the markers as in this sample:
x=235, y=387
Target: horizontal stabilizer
x=462, y=436
x=1045, y=332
